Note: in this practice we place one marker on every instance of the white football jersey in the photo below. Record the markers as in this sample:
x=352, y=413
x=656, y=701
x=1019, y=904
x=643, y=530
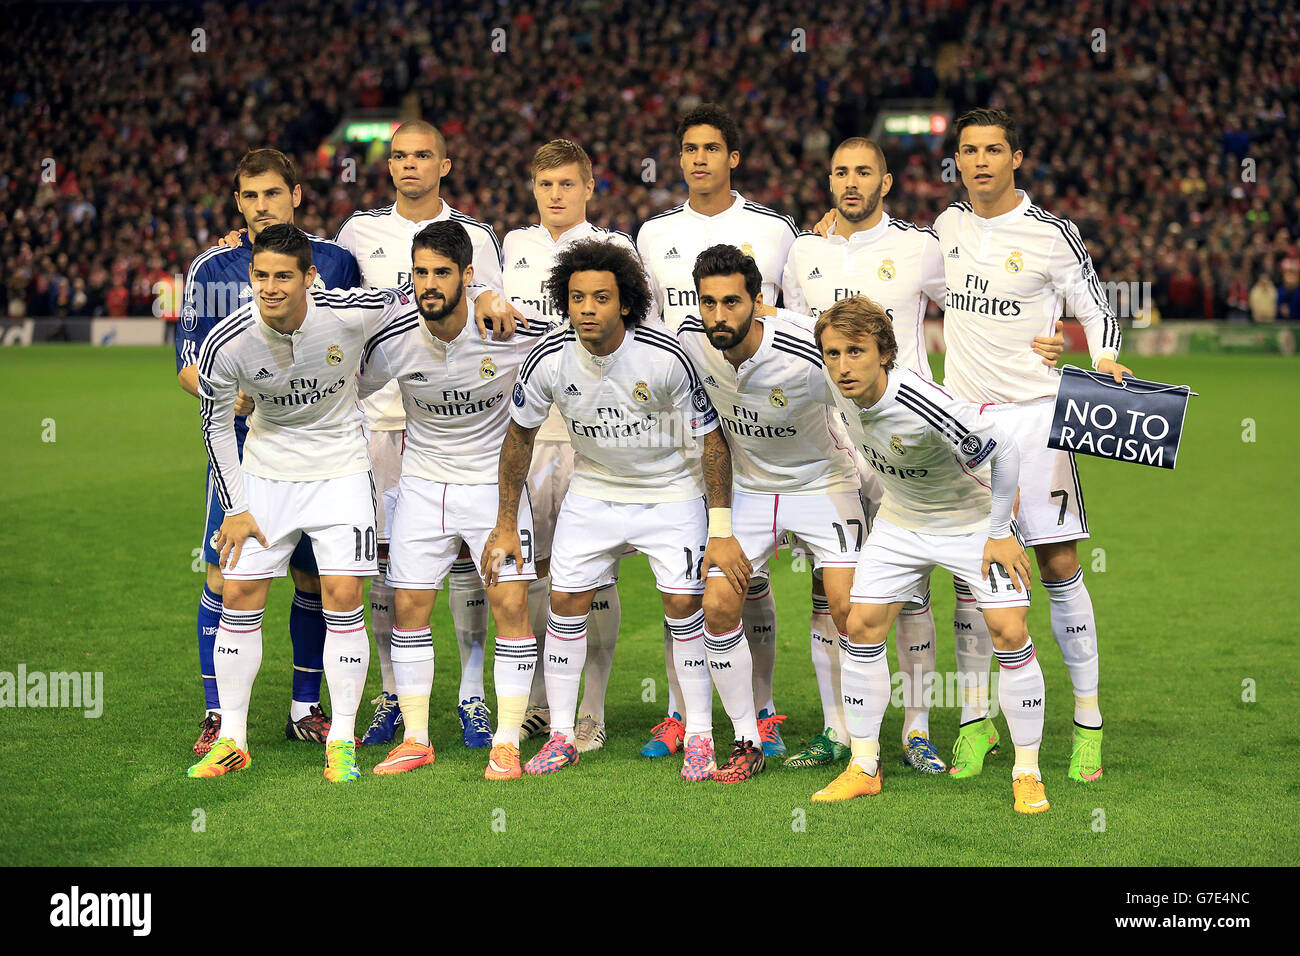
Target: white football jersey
x=929, y=449
x=380, y=241
x=307, y=424
x=895, y=264
x=775, y=410
x=630, y=414
x=455, y=394
x=670, y=243
x=529, y=253
x=1009, y=278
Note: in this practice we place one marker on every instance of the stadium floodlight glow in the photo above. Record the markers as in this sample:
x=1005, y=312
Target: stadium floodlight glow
x=369, y=131
x=915, y=124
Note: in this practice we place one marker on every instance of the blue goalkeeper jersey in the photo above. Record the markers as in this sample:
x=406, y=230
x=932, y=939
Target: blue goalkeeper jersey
x=217, y=284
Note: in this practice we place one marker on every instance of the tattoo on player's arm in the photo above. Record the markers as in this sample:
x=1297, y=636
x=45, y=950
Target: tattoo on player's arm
x=717, y=470
x=512, y=471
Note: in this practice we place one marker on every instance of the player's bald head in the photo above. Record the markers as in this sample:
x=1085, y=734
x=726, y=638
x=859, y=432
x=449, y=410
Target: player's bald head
x=421, y=128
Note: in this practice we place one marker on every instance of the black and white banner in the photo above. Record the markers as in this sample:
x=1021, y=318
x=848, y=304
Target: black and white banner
x=1138, y=421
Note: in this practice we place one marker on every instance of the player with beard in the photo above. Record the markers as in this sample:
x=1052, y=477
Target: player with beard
x=791, y=474
x=381, y=241
x=709, y=150
x=454, y=388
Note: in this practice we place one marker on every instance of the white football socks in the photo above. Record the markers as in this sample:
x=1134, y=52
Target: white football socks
x=381, y=624
x=1020, y=693
x=759, y=618
x=826, y=665
x=237, y=657
x=513, y=663
x=347, y=658
x=566, y=652
x=413, y=676
x=687, y=635
x=974, y=654
x=469, y=615
x=1075, y=628
x=539, y=611
x=602, y=636
x=915, y=644
x=730, y=665
x=864, y=675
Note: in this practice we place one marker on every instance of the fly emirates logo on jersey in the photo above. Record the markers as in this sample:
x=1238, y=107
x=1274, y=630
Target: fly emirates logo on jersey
x=747, y=423
x=452, y=402
x=302, y=391
x=974, y=297
x=615, y=428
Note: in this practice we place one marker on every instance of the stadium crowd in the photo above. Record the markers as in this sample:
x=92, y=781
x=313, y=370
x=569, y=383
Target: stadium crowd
x=1176, y=148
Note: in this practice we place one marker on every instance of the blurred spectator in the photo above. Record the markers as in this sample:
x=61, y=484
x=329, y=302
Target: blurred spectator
x=1288, y=296
x=1263, y=299
x=1152, y=151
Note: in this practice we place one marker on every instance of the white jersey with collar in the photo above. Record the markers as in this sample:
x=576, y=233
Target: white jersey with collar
x=380, y=241
x=1009, y=278
x=455, y=394
x=529, y=253
x=307, y=424
x=931, y=452
x=630, y=414
x=775, y=412
x=895, y=264
x=670, y=243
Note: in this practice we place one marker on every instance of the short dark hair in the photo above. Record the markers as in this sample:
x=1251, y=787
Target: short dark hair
x=448, y=239
x=258, y=161
x=421, y=126
x=857, y=317
x=982, y=117
x=711, y=114
x=286, y=239
x=594, y=255
x=725, y=260
x=861, y=142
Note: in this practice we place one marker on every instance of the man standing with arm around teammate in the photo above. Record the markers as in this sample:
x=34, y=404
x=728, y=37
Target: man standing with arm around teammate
x=305, y=471
x=936, y=511
x=630, y=398
x=381, y=241
x=1012, y=269
x=267, y=192
x=791, y=473
x=455, y=390
x=708, y=140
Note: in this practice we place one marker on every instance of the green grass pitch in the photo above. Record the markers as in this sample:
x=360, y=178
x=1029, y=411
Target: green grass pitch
x=1197, y=619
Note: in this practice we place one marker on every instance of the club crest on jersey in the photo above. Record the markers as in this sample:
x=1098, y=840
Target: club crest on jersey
x=641, y=392
x=1015, y=262
x=487, y=369
x=777, y=398
x=747, y=249
x=896, y=446
x=886, y=270
x=335, y=355
x=970, y=445
x=518, y=395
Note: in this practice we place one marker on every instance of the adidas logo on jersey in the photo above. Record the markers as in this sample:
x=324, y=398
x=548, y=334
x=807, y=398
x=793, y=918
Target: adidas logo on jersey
x=710, y=380
x=521, y=264
x=247, y=293
x=378, y=253
x=953, y=254
x=572, y=389
x=416, y=377
x=815, y=274
x=671, y=254
x=262, y=374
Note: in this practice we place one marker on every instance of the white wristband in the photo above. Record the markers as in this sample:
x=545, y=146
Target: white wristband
x=719, y=522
